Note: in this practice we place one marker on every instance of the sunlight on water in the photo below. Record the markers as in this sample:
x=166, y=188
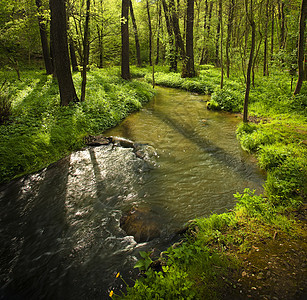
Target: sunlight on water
x=61, y=231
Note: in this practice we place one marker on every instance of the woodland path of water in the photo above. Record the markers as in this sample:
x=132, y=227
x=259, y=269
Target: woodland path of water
x=60, y=229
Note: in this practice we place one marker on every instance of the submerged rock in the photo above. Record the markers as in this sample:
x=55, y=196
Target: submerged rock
x=98, y=140
x=141, y=223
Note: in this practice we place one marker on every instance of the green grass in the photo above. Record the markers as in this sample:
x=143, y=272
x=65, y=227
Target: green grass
x=209, y=254
x=40, y=132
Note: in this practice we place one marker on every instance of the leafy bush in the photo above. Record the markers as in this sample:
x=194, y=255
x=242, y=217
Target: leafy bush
x=169, y=284
x=273, y=156
x=227, y=100
x=253, y=137
x=253, y=205
x=287, y=183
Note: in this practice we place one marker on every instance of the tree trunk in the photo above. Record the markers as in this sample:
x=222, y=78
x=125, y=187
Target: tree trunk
x=44, y=39
x=136, y=36
x=229, y=32
x=125, y=68
x=100, y=47
x=158, y=34
x=218, y=29
x=150, y=33
x=86, y=49
x=300, y=54
x=265, y=48
x=202, y=58
x=221, y=22
x=172, y=54
x=250, y=62
x=176, y=28
x=100, y=28
x=60, y=52
x=281, y=7
x=272, y=33
x=188, y=69
x=73, y=58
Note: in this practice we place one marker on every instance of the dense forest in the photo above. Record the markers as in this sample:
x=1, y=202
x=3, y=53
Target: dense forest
x=70, y=69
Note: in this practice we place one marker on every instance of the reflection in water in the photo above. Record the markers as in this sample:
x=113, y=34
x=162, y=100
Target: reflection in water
x=60, y=234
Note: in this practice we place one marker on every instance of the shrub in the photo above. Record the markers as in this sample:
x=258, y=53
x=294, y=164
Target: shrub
x=253, y=205
x=227, y=100
x=272, y=156
x=287, y=183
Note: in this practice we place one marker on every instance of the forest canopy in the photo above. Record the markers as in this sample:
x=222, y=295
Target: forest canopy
x=157, y=32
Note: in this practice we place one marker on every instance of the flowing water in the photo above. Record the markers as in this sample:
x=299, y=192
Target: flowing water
x=60, y=235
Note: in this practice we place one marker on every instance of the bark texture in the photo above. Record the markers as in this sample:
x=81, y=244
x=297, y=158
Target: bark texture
x=60, y=52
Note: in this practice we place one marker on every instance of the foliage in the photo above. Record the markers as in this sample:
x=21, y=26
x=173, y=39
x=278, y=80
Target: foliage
x=227, y=100
x=279, y=142
x=41, y=132
x=254, y=206
x=281, y=152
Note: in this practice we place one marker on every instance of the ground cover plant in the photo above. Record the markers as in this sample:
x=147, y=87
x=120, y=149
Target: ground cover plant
x=212, y=257
x=37, y=131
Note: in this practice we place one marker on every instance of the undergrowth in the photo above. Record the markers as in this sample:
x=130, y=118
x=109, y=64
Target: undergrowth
x=203, y=265
x=38, y=131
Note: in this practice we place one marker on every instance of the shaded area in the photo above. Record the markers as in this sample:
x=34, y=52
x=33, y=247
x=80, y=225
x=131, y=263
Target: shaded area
x=218, y=153
x=33, y=224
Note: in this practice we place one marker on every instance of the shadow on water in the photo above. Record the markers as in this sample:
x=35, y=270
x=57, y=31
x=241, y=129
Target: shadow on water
x=238, y=165
x=33, y=224
x=100, y=186
x=60, y=236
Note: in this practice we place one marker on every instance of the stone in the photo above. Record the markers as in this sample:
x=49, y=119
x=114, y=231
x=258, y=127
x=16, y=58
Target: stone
x=98, y=140
x=141, y=223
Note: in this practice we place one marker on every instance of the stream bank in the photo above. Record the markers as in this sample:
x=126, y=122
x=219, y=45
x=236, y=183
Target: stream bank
x=62, y=224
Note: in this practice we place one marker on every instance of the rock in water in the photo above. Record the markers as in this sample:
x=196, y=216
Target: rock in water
x=119, y=141
x=98, y=140
x=141, y=223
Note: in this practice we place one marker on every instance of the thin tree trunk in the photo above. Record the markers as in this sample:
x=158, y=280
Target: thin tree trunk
x=176, y=28
x=73, y=58
x=265, y=50
x=218, y=29
x=150, y=33
x=44, y=39
x=100, y=47
x=202, y=62
x=172, y=54
x=229, y=32
x=158, y=33
x=281, y=8
x=221, y=22
x=86, y=49
x=250, y=62
x=100, y=28
x=272, y=32
x=136, y=36
x=189, y=70
x=300, y=56
x=125, y=68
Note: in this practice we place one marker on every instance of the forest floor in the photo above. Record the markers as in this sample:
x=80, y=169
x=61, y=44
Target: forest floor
x=274, y=268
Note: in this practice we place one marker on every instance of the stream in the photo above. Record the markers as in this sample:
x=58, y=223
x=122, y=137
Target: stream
x=60, y=228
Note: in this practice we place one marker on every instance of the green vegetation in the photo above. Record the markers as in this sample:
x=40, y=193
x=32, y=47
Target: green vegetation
x=38, y=131
x=201, y=267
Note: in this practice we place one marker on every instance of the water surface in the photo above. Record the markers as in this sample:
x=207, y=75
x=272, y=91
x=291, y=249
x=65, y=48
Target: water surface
x=60, y=235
